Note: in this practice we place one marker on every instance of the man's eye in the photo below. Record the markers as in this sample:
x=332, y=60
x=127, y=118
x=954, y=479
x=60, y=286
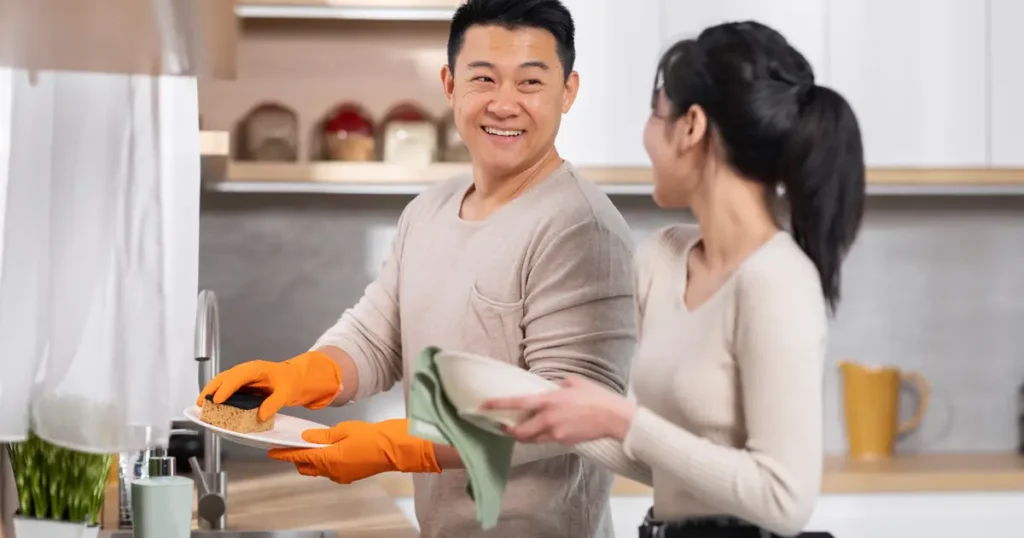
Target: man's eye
x=533, y=81
x=483, y=79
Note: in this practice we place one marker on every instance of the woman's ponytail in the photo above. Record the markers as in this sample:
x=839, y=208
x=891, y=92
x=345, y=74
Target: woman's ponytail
x=823, y=173
x=777, y=126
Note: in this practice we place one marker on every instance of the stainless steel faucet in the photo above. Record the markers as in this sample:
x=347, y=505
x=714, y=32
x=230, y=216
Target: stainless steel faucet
x=212, y=481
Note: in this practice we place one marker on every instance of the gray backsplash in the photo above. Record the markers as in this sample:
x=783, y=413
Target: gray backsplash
x=934, y=285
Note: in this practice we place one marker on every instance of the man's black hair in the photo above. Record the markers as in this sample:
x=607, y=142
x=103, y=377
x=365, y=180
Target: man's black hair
x=548, y=15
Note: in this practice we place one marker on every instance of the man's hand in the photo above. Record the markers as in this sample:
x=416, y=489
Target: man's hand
x=311, y=379
x=360, y=450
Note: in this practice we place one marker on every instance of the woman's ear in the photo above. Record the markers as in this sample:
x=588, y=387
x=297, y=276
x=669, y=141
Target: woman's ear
x=691, y=129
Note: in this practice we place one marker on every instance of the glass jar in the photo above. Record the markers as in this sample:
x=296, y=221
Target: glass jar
x=270, y=132
x=454, y=149
x=348, y=135
x=410, y=136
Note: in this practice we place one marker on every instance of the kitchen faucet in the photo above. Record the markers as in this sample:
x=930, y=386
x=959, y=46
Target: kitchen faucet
x=213, y=482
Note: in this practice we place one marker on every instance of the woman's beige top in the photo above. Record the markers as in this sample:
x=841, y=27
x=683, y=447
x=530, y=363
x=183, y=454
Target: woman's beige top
x=730, y=393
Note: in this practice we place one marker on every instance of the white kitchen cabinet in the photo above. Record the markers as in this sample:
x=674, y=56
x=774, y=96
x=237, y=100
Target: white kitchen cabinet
x=916, y=74
x=1006, y=90
x=935, y=515
x=893, y=515
x=801, y=22
x=617, y=48
x=896, y=515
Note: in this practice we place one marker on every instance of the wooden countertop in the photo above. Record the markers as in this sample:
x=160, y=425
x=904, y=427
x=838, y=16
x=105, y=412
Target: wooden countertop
x=271, y=495
x=926, y=473
x=917, y=473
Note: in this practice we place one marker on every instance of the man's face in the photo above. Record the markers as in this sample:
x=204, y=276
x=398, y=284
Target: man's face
x=508, y=93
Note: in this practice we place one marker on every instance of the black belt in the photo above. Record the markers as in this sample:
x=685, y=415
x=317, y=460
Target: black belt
x=702, y=528
x=709, y=527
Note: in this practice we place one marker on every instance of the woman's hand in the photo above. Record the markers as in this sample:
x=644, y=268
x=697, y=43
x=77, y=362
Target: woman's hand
x=580, y=411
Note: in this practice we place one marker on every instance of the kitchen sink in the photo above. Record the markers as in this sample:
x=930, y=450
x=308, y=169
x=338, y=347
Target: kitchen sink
x=244, y=534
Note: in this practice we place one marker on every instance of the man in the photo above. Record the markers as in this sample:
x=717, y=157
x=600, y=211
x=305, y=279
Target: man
x=524, y=261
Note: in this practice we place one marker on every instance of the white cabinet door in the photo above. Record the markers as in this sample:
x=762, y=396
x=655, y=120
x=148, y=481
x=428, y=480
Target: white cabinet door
x=628, y=512
x=915, y=72
x=1007, y=82
x=801, y=22
x=938, y=515
x=617, y=48
x=900, y=515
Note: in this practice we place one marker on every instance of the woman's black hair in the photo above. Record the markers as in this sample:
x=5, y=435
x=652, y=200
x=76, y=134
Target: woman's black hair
x=776, y=126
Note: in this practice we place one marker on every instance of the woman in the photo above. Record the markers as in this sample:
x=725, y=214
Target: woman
x=733, y=312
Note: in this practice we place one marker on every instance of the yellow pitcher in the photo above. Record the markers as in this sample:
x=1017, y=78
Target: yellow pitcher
x=871, y=398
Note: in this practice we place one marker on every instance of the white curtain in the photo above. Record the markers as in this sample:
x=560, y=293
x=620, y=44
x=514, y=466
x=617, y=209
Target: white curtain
x=98, y=281
x=99, y=214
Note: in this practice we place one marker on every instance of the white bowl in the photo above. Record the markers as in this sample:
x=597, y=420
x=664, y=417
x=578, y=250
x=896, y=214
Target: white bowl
x=470, y=380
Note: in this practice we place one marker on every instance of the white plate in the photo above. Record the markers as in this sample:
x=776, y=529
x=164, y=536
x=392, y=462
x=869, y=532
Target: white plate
x=287, y=432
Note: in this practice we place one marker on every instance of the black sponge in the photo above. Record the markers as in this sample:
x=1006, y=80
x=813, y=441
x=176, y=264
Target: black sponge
x=244, y=398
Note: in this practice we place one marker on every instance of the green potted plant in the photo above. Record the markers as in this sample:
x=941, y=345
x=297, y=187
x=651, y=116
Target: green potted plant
x=60, y=490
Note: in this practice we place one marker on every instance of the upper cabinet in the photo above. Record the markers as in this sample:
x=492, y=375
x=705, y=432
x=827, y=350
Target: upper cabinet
x=1006, y=90
x=605, y=125
x=801, y=22
x=916, y=74
x=936, y=85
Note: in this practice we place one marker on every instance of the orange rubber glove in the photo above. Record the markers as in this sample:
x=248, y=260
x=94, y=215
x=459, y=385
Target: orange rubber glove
x=311, y=379
x=360, y=450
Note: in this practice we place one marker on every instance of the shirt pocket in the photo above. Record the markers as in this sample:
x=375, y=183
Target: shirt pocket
x=494, y=328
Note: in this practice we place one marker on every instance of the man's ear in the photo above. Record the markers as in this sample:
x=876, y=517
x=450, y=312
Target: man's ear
x=572, y=88
x=448, y=82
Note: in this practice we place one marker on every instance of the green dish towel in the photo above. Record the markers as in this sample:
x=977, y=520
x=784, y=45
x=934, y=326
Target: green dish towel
x=486, y=455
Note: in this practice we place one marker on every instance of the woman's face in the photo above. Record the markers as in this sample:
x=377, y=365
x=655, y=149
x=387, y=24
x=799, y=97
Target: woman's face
x=674, y=149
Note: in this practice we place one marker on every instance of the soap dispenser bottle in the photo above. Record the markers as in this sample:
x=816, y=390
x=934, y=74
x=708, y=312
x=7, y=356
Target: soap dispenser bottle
x=162, y=502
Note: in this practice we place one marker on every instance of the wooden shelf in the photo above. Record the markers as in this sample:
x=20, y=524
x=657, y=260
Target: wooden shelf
x=214, y=143
x=384, y=178
x=912, y=473
x=214, y=153
x=381, y=10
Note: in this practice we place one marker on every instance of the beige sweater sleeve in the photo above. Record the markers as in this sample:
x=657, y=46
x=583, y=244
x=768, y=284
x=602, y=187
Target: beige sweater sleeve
x=370, y=331
x=608, y=452
x=773, y=481
x=578, y=313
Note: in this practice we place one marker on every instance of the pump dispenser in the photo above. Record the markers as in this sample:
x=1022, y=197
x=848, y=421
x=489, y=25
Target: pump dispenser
x=162, y=502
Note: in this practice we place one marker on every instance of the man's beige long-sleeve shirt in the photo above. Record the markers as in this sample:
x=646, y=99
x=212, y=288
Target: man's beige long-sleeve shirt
x=546, y=283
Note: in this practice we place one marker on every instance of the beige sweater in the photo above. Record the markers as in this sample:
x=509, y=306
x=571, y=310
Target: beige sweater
x=730, y=394
x=545, y=283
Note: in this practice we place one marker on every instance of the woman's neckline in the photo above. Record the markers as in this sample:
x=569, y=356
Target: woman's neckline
x=729, y=280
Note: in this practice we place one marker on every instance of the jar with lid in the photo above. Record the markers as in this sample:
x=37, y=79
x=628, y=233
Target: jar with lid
x=269, y=132
x=410, y=136
x=454, y=149
x=348, y=135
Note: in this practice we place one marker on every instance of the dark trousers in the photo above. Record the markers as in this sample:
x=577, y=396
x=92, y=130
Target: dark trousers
x=710, y=527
